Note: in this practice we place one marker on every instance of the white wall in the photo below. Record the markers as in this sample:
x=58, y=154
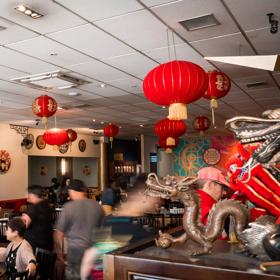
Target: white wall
x=13, y=184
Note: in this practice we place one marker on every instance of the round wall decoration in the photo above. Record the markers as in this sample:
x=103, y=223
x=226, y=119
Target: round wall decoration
x=5, y=161
x=211, y=156
x=40, y=143
x=82, y=145
x=86, y=170
x=63, y=148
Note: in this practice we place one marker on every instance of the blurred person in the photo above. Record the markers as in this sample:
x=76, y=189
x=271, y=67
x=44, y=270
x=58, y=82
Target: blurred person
x=109, y=197
x=80, y=218
x=38, y=219
x=213, y=188
x=52, y=190
x=62, y=192
x=18, y=256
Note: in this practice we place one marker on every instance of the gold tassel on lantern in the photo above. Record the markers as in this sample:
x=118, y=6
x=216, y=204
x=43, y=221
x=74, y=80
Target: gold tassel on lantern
x=45, y=121
x=213, y=106
x=170, y=141
x=178, y=111
x=168, y=150
x=111, y=141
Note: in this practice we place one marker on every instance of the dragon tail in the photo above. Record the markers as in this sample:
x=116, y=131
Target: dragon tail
x=220, y=212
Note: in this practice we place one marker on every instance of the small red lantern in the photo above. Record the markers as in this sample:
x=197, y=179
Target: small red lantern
x=168, y=148
x=72, y=135
x=55, y=136
x=201, y=124
x=44, y=106
x=170, y=129
x=218, y=87
x=175, y=84
x=111, y=131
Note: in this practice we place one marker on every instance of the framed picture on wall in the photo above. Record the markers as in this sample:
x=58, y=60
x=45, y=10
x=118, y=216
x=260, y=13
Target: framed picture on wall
x=40, y=142
x=82, y=145
x=63, y=148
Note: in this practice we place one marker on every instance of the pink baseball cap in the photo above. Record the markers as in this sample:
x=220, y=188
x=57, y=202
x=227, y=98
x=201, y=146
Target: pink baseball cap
x=212, y=174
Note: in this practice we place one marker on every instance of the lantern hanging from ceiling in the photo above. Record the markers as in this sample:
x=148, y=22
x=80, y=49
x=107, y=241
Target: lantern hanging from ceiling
x=218, y=87
x=44, y=106
x=55, y=136
x=111, y=131
x=175, y=84
x=72, y=135
x=170, y=130
x=168, y=148
x=201, y=123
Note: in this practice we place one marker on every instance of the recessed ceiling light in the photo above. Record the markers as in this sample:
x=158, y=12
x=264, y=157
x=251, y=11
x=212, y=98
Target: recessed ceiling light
x=59, y=108
x=73, y=93
x=94, y=120
x=120, y=127
x=163, y=107
x=102, y=85
x=27, y=11
x=141, y=125
x=195, y=23
x=102, y=122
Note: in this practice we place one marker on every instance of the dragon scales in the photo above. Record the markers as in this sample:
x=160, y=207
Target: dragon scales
x=185, y=191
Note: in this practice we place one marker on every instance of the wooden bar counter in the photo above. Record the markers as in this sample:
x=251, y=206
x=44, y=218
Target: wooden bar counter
x=145, y=261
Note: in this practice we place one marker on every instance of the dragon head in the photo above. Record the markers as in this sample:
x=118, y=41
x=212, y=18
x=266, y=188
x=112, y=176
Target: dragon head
x=168, y=187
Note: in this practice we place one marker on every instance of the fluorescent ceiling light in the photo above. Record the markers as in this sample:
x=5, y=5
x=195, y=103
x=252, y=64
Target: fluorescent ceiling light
x=264, y=62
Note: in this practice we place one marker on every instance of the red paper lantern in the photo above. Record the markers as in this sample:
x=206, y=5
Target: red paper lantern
x=44, y=106
x=218, y=87
x=72, y=135
x=170, y=129
x=111, y=131
x=168, y=148
x=201, y=124
x=55, y=136
x=175, y=84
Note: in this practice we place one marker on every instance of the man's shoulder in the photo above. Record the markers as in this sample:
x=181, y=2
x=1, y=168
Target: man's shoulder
x=82, y=203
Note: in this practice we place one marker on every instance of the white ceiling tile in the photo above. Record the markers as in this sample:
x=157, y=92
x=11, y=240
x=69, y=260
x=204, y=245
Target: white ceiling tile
x=262, y=94
x=24, y=63
x=50, y=22
x=106, y=91
x=13, y=32
x=139, y=29
x=224, y=45
x=254, y=17
x=19, y=89
x=94, y=10
x=8, y=73
x=264, y=41
x=91, y=41
x=135, y=64
x=151, y=3
x=99, y=71
x=182, y=10
x=49, y=50
x=131, y=85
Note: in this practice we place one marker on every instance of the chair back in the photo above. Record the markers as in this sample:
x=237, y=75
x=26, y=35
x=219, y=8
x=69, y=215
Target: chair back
x=46, y=261
x=20, y=275
x=3, y=228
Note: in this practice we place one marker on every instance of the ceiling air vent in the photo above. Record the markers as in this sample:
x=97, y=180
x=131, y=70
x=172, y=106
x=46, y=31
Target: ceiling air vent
x=256, y=84
x=51, y=80
x=192, y=24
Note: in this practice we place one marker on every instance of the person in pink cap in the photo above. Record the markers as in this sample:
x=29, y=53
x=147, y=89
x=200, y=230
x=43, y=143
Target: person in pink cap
x=213, y=187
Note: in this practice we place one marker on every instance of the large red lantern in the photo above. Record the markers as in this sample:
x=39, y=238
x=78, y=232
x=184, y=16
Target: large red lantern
x=55, y=136
x=218, y=87
x=170, y=129
x=111, y=131
x=44, y=106
x=201, y=123
x=168, y=148
x=175, y=84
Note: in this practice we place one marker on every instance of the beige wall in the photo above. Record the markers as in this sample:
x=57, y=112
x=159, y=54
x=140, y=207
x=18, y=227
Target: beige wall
x=13, y=184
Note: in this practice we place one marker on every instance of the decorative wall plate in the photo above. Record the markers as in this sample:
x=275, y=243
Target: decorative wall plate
x=211, y=156
x=40, y=143
x=86, y=170
x=30, y=143
x=5, y=161
x=63, y=148
x=82, y=145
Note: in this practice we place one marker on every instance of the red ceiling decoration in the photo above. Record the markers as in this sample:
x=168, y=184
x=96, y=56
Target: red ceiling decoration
x=201, y=124
x=72, y=135
x=55, y=136
x=218, y=87
x=44, y=106
x=111, y=130
x=175, y=84
x=170, y=129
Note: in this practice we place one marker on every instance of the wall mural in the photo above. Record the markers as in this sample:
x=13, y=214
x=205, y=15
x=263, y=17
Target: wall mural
x=5, y=161
x=188, y=156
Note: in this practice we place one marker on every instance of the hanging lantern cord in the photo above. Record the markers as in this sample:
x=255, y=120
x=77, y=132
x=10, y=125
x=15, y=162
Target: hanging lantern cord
x=213, y=105
x=173, y=39
x=168, y=44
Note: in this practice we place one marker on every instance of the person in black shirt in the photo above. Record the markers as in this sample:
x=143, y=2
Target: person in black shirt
x=38, y=220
